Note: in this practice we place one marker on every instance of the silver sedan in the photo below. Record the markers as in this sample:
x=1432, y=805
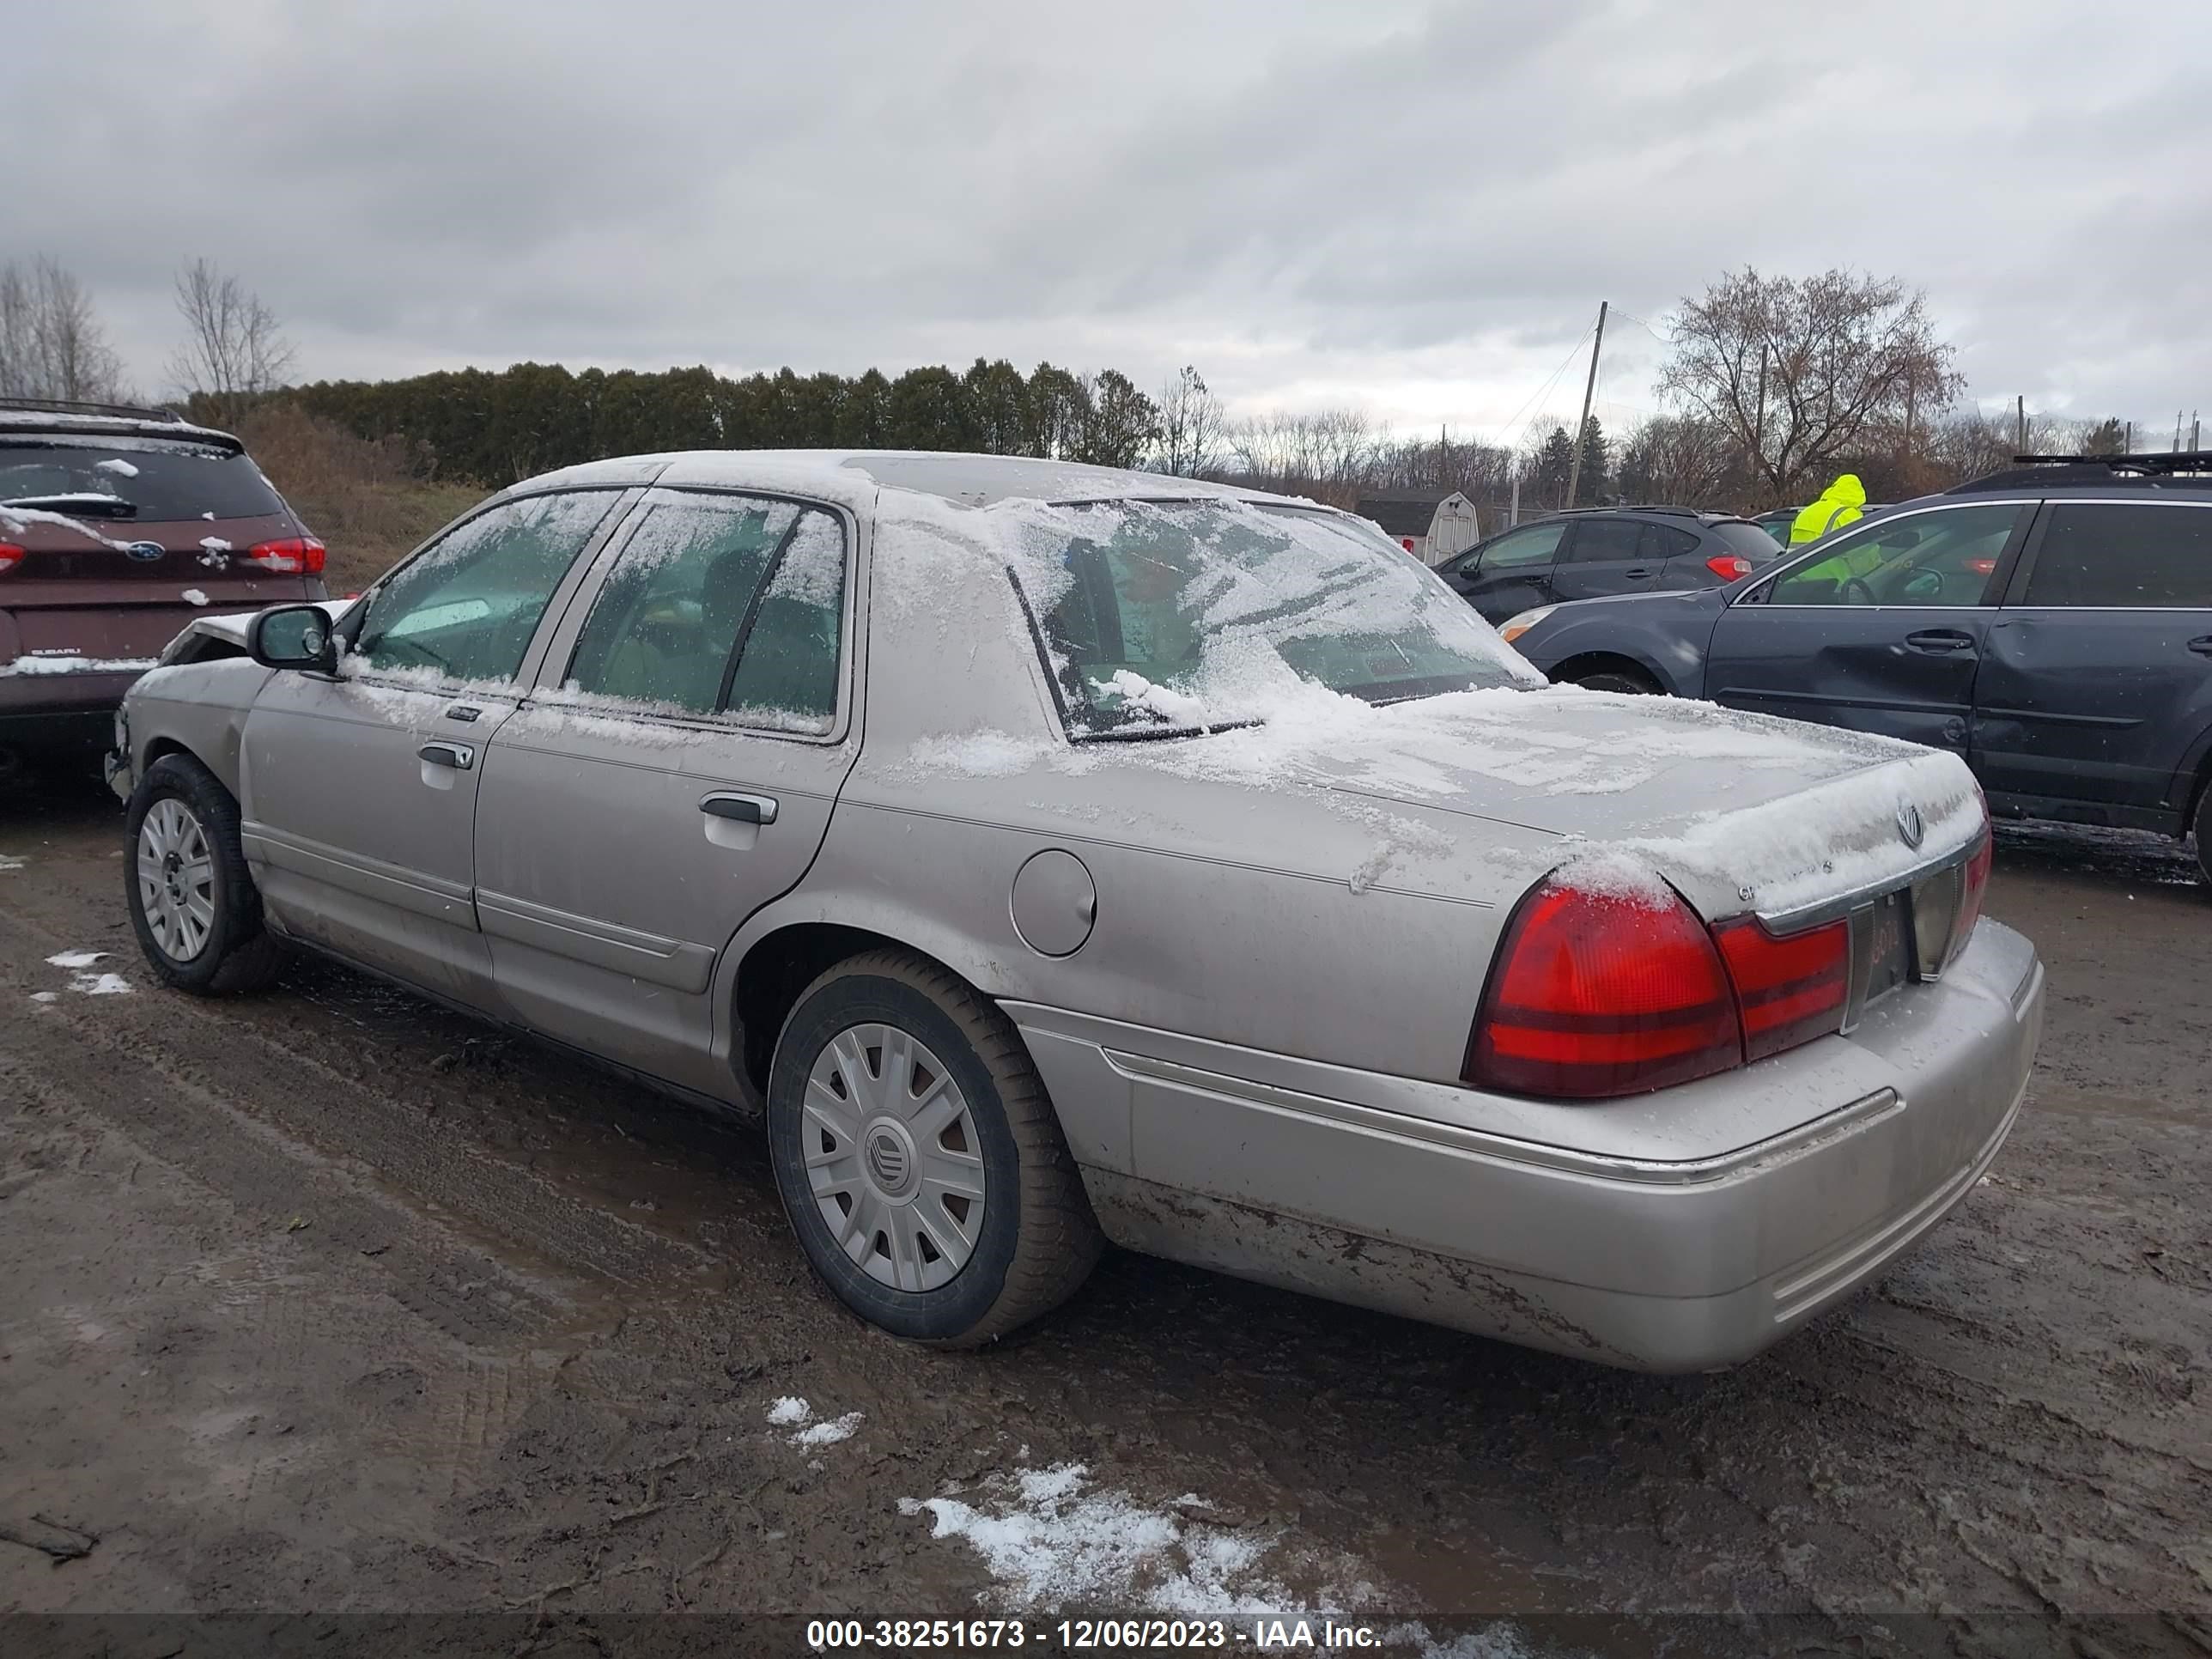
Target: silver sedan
x=1052, y=855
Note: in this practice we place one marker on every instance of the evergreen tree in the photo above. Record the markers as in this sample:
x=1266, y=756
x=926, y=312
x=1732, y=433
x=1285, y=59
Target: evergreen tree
x=1552, y=463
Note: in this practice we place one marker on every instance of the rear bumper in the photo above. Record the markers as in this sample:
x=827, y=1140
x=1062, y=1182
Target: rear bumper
x=69, y=710
x=1656, y=1264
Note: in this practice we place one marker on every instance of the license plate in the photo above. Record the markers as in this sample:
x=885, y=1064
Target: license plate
x=1891, y=926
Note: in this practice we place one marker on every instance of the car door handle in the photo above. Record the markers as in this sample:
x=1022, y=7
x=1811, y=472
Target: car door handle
x=1940, y=642
x=458, y=756
x=2201, y=645
x=742, y=809
x=1641, y=572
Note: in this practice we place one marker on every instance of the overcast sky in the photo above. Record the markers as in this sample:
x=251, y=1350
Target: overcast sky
x=1411, y=207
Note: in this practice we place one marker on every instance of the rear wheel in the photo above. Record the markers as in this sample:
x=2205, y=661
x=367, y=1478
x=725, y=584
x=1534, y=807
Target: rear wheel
x=918, y=1157
x=192, y=902
x=2204, y=831
x=1630, y=680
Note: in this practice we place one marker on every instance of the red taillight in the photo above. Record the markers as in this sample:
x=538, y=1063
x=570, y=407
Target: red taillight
x=1970, y=898
x=11, y=556
x=1730, y=567
x=1791, y=986
x=295, y=555
x=1596, y=995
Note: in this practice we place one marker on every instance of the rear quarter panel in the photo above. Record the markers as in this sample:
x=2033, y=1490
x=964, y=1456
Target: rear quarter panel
x=1664, y=634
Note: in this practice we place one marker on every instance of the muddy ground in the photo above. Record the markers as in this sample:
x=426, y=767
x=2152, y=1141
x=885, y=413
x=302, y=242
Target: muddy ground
x=329, y=1302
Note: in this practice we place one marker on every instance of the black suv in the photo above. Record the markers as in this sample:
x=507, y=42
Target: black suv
x=1595, y=551
x=2051, y=623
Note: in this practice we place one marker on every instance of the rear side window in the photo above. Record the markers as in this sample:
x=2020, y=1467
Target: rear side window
x=148, y=480
x=1599, y=541
x=466, y=607
x=1662, y=541
x=721, y=603
x=2093, y=554
x=1749, y=540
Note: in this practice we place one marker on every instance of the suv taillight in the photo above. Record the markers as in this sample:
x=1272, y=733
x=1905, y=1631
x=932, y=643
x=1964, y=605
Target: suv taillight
x=1730, y=567
x=295, y=555
x=11, y=556
x=1595, y=995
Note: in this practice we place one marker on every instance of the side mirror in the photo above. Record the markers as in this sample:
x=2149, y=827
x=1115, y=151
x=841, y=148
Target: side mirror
x=293, y=636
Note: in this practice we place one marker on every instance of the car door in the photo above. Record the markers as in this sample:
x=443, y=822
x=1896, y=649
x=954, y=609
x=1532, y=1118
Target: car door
x=1508, y=573
x=358, y=791
x=1882, y=629
x=2096, y=686
x=673, y=772
x=1602, y=557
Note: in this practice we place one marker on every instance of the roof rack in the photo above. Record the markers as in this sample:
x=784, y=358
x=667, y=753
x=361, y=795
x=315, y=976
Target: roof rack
x=68, y=406
x=2049, y=471
x=1637, y=507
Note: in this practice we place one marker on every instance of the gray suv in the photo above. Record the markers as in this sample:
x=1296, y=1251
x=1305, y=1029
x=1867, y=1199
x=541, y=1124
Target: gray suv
x=2051, y=623
x=1586, y=554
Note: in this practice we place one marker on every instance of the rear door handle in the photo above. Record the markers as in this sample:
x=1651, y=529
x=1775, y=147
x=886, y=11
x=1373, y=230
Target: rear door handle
x=458, y=756
x=742, y=809
x=2201, y=645
x=1940, y=642
x=1641, y=572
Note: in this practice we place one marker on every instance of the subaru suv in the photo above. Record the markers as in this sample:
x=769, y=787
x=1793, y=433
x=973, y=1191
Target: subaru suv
x=118, y=526
x=2051, y=623
x=1584, y=553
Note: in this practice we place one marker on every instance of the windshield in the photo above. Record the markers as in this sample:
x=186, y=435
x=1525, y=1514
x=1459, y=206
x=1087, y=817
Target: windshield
x=1161, y=618
x=154, y=481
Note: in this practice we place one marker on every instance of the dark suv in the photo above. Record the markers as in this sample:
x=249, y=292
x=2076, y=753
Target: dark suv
x=1596, y=551
x=2052, y=623
x=118, y=526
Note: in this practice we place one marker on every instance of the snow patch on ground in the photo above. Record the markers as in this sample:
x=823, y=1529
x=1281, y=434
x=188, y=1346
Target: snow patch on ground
x=8, y=864
x=75, y=959
x=1050, y=1539
x=789, y=1412
x=99, y=985
x=46, y=996
x=829, y=1433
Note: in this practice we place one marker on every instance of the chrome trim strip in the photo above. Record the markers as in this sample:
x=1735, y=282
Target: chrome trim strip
x=1859, y=1115
x=1842, y=904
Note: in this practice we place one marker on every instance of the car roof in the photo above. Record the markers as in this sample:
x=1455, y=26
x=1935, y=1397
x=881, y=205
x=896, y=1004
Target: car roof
x=969, y=480
x=32, y=418
x=2187, y=472
x=1699, y=515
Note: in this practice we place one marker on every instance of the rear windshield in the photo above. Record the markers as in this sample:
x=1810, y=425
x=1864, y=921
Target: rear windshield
x=1163, y=618
x=1748, y=539
x=152, y=480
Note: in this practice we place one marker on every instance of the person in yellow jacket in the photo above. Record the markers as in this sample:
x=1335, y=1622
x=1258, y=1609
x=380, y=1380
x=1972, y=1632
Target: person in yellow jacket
x=1839, y=504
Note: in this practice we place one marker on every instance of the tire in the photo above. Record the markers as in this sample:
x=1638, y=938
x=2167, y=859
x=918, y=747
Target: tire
x=192, y=902
x=1619, y=680
x=897, y=1168
x=2204, y=832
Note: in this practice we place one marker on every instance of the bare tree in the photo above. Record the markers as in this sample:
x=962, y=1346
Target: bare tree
x=233, y=349
x=1798, y=373
x=1192, y=423
x=1684, y=459
x=52, y=345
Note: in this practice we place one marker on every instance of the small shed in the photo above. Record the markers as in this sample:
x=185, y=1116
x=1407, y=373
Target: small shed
x=1432, y=525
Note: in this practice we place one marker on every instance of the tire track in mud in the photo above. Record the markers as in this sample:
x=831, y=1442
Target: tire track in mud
x=157, y=1045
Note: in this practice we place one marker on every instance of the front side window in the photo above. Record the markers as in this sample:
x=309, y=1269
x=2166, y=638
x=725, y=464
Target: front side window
x=721, y=603
x=465, y=608
x=1941, y=558
x=1535, y=546
x=2149, y=555
x=1162, y=619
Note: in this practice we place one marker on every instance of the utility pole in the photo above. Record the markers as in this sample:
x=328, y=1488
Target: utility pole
x=1589, y=389
x=2020, y=426
x=1513, y=512
x=1759, y=420
x=2128, y=440
x=2194, y=429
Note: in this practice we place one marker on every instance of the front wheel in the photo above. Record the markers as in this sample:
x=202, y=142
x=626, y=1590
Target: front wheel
x=918, y=1157
x=1611, y=679
x=193, y=901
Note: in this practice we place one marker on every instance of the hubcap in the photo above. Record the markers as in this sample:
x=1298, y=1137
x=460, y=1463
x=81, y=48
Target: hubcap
x=893, y=1157
x=176, y=879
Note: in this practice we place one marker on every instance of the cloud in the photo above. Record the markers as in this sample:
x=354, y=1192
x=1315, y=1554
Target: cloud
x=1413, y=206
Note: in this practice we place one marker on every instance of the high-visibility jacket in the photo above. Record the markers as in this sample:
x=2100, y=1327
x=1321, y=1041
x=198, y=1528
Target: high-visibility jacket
x=1839, y=504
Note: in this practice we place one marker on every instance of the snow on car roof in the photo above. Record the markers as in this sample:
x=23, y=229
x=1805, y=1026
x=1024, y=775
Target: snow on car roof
x=148, y=425
x=970, y=480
